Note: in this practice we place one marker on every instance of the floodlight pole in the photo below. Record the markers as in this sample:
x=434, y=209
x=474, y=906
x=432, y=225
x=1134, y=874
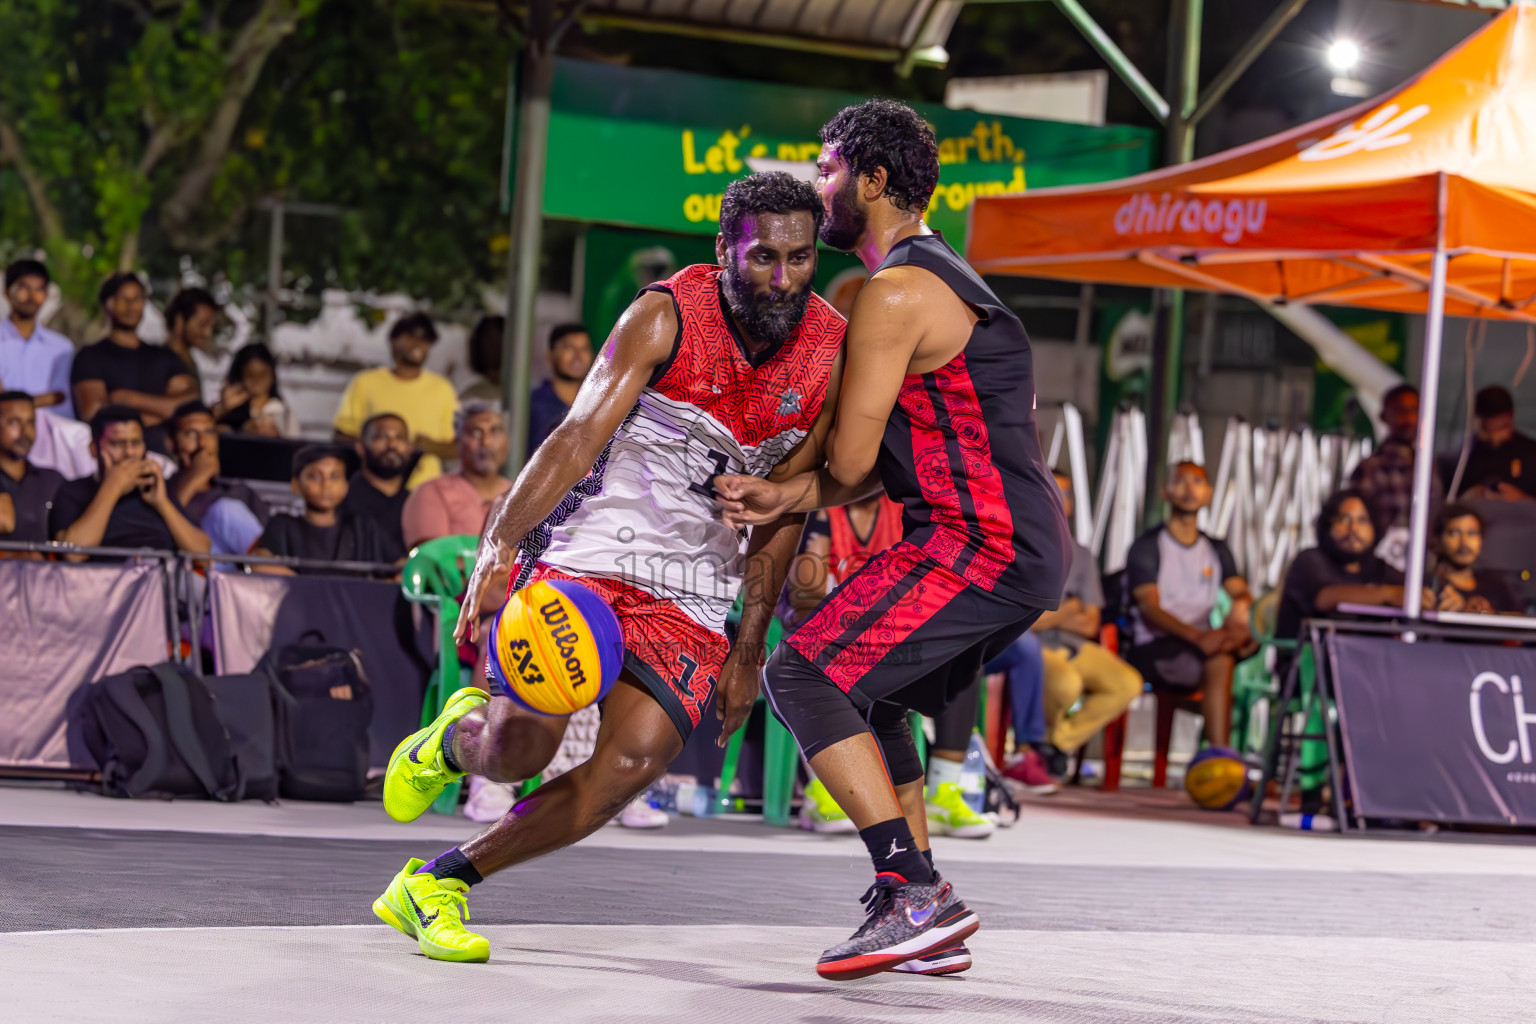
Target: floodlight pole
x=1424, y=444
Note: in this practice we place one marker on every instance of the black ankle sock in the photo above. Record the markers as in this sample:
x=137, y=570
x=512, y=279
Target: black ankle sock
x=892, y=848
x=451, y=864
x=448, y=758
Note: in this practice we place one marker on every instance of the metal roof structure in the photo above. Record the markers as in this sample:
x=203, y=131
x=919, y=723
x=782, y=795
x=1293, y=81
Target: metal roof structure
x=905, y=31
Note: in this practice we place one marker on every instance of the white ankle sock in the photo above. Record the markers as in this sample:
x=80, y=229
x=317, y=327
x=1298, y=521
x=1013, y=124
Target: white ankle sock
x=941, y=771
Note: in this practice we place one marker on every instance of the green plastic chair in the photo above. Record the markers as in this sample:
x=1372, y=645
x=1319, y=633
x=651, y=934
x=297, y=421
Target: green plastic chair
x=435, y=575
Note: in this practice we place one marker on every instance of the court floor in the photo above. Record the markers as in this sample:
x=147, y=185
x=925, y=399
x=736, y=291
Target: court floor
x=126, y=912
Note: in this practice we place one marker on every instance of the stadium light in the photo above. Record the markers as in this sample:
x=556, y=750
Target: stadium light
x=1343, y=54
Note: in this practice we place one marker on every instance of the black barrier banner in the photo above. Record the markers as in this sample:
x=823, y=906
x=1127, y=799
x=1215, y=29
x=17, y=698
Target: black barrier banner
x=1437, y=731
x=62, y=626
x=253, y=613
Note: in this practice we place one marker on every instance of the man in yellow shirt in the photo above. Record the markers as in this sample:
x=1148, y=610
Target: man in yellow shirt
x=423, y=399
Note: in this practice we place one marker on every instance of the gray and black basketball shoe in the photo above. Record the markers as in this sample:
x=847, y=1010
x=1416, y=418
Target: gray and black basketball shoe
x=905, y=920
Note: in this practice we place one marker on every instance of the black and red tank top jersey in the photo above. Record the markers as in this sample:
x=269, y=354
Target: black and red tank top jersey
x=961, y=453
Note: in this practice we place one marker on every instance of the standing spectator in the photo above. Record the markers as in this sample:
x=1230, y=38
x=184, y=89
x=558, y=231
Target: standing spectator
x=33, y=358
x=30, y=488
x=190, y=318
x=570, y=357
x=126, y=503
x=1174, y=573
x=1502, y=462
x=422, y=400
x=324, y=532
x=377, y=491
x=250, y=401
x=1386, y=478
x=1459, y=542
x=1075, y=665
x=485, y=359
x=229, y=512
x=122, y=370
x=458, y=503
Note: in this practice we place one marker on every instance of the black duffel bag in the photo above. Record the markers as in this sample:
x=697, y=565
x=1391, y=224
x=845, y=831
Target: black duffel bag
x=323, y=706
x=154, y=731
x=244, y=704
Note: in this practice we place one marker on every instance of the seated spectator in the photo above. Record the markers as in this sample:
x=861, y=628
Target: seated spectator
x=125, y=504
x=570, y=357
x=1502, y=462
x=33, y=359
x=1458, y=543
x=1076, y=667
x=29, y=489
x=1174, y=573
x=250, y=402
x=323, y=533
x=190, y=318
x=122, y=370
x=1023, y=666
x=1386, y=478
x=377, y=491
x=229, y=512
x=485, y=359
x=419, y=398
x=458, y=503
x=1342, y=569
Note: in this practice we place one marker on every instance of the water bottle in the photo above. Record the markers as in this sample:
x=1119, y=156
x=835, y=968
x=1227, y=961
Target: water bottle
x=663, y=795
x=695, y=800
x=973, y=774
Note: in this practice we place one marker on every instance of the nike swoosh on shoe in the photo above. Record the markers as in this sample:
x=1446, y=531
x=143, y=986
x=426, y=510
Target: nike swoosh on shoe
x=919, y=918
x=412, y=752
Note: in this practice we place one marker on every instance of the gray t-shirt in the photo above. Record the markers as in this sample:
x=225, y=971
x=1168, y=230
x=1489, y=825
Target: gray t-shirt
x=1084, y=584
x=1188, y=578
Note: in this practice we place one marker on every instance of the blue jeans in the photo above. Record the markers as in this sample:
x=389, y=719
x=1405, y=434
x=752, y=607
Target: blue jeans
x=1025, y=669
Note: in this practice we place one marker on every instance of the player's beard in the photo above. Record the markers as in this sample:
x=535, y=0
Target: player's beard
x=770, y=319
x=846, y=220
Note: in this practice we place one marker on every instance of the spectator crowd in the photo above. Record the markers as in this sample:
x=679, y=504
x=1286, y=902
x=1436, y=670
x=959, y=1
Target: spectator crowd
x=409, y=460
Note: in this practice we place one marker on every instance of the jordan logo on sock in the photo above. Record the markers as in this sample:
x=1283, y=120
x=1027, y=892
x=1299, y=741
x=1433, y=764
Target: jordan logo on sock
x=895, y=850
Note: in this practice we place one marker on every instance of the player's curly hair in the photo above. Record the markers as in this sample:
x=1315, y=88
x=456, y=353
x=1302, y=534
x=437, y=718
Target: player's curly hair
x=766, y=192
x=885, y=133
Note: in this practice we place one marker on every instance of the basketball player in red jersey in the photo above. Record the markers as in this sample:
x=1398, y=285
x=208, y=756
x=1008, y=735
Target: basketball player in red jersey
x=720, y=369
x=938, y=405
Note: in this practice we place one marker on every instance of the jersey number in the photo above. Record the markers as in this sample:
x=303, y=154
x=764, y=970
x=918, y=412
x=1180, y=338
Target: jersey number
x=706, y=486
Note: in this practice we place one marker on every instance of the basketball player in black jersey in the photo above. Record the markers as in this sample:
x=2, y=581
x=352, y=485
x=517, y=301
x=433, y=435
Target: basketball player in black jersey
x=937, y=406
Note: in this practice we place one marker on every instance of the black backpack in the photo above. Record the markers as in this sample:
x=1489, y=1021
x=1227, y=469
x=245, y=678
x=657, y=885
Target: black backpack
x=323, y=706
x=244, y=704
x=154, y=731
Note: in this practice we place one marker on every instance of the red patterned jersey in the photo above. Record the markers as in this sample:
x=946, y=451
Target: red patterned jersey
x=645, y=514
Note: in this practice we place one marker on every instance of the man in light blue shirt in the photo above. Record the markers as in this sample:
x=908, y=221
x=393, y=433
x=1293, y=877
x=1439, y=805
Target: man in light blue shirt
x=33, y=358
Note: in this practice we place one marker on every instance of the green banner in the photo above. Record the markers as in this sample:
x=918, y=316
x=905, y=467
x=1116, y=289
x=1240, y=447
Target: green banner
x=655, y=149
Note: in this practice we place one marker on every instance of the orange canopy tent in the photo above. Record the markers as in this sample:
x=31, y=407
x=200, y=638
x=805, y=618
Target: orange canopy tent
x=1422, y=200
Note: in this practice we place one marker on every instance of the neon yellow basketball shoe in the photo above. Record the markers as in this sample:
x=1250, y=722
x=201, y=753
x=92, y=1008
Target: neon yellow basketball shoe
x=820, y=813
x=432, y=911
x=417, y=773
x=950, y=815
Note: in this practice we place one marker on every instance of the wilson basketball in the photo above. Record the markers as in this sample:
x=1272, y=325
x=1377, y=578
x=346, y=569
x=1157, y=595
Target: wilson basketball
x=556, y=647
x=1217, y=779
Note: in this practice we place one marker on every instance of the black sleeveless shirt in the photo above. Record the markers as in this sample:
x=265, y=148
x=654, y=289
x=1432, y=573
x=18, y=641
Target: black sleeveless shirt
x=962, y=456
